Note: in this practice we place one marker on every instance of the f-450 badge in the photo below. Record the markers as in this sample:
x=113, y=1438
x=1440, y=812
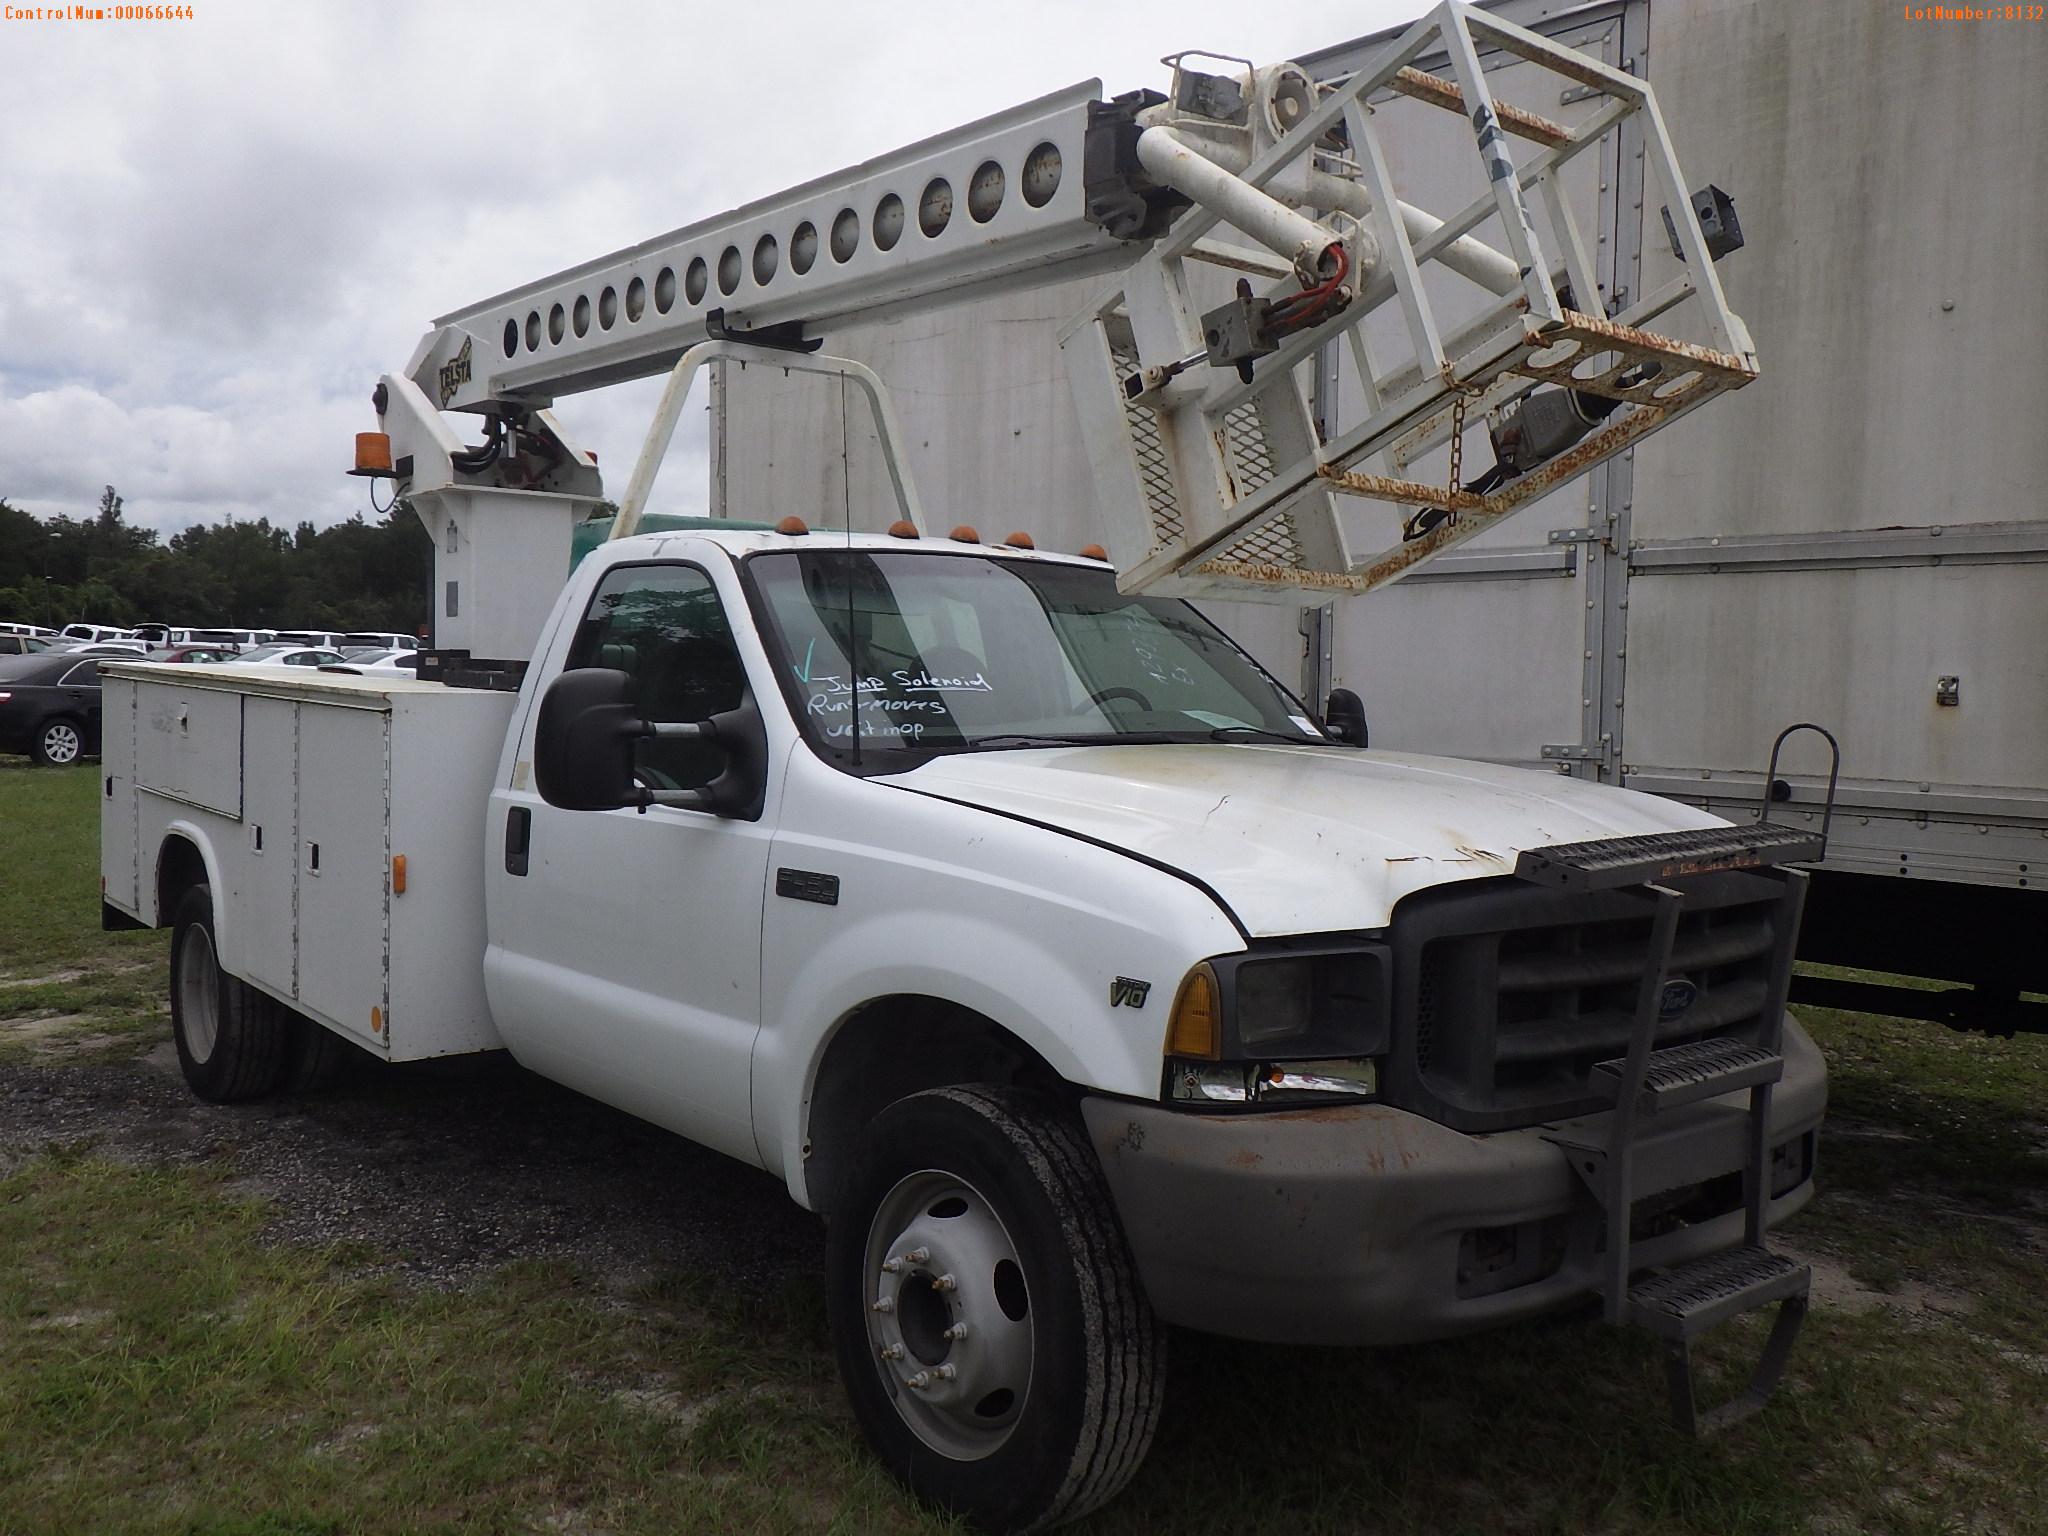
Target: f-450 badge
x=1125, y=992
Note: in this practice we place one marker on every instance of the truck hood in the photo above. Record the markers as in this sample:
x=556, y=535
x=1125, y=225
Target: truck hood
x=1298, y=839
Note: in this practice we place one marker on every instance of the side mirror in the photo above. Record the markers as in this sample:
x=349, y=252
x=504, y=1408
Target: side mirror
x=590, y=729
x=583, y=746
x=1344, y=717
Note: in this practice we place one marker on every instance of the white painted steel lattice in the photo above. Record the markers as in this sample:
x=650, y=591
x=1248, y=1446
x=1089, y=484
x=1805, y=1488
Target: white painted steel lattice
x=1218, y=484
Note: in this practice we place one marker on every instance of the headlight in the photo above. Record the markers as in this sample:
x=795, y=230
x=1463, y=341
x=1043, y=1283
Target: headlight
x=1284, y=1023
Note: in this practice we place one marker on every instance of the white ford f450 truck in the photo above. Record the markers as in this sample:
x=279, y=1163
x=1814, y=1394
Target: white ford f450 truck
x=1029, y=931
x=1084, y=979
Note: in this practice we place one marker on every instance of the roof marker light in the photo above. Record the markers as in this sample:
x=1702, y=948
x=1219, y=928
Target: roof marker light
x=1020, y=540
x=1094, y=552
x=965, y=535
x=901, y=529
x=793, y=525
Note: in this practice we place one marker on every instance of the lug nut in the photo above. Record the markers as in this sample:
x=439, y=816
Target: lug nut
x=957, y=1331
x=884, y=1304
x=945, y=1283
x=891, y=1266
x=920, y=1381
x=945, y=1372
x=892, y=1351
x=918, y=1256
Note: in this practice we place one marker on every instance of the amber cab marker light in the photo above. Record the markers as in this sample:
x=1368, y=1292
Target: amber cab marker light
x=1093, y=552
x=1020, y=541
x=792, y=525
x=964, y=535
x=373, y=455
x=902, y=530
x=1195, y=1027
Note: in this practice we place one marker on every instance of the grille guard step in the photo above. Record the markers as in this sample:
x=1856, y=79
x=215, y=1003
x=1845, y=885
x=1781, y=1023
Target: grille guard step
x=1693, y=1297
x=1610, y=862
x=1685, y=1301
x=1702, y=1069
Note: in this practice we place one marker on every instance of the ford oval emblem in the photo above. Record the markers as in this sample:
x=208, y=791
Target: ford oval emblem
x=1679, y=995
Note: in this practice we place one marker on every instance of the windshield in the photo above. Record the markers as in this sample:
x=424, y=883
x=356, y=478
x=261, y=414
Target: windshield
x=970, y=653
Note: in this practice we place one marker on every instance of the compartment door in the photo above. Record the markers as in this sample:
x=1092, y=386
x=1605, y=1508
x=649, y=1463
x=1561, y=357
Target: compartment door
x=120, y=881
x=343, y=846
x=263, y=939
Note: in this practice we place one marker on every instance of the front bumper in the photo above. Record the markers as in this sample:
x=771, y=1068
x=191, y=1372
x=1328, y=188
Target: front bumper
x=1364, y=1224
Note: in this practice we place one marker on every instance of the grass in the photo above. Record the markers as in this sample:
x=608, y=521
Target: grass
x=167, y=1365
x=108, y=989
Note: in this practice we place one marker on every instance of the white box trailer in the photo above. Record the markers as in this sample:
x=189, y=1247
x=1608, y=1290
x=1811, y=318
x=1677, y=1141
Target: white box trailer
x=346, y=817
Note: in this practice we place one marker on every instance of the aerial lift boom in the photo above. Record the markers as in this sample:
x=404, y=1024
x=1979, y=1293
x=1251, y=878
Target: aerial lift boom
x=1212, y=478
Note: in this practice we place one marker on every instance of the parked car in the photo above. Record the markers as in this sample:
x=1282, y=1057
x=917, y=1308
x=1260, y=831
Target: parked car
x=239, y=638
x=39, y=631
x=133, y=649
x=22, y=645
x=328, y=639
x=92, y=633
x=381, y=639
x=290, y=656
x=194, y=653
x=50, y=707
x=384, y=663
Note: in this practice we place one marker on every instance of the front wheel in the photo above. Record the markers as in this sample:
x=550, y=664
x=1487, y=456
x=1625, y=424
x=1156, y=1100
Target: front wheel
x=991, y=1330
x=57, y=744
x=231, y=1042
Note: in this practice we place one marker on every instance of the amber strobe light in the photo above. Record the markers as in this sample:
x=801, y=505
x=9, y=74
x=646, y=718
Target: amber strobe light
x=373, y=455
x=1195, y=1028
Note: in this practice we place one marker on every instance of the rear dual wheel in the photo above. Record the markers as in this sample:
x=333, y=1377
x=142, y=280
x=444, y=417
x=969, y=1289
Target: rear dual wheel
x=991, y=1330
x=232, y=1039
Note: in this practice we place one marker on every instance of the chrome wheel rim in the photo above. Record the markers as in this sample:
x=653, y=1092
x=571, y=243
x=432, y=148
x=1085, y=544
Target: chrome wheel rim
x=198, y=993
x=60, y=744
x=949, y=1317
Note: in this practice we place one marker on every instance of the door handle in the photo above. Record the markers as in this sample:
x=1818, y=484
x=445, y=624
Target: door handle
x=518, y=833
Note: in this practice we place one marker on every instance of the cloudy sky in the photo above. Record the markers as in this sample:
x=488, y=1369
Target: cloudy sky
x=216, y=233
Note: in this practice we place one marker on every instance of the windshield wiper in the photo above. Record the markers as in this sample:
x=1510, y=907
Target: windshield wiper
x=1260, y=733
x=1088, y=739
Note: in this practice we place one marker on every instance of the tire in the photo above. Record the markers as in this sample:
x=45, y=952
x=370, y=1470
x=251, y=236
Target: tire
x=1056, y=1384
x=231, y=1041
x=316, y=1059
x=58, y=743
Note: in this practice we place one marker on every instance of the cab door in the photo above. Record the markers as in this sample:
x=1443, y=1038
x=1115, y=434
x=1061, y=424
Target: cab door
x=625, y=952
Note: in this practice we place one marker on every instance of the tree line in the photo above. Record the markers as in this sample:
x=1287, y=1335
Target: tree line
x=102, y=570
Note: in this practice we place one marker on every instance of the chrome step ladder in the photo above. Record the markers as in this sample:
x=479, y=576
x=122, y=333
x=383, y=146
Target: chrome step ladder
x=1681, y=1302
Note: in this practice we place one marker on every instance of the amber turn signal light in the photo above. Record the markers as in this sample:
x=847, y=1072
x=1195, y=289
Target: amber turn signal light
x=1195, y=1027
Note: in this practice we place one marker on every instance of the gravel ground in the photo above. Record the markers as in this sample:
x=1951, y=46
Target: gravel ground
x=448, y=1168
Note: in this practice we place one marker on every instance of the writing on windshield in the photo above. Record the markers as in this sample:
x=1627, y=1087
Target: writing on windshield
x=914, y=652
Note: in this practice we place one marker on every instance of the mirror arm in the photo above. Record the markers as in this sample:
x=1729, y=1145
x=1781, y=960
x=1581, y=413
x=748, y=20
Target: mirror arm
x=686, y=799
x=679, y=730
